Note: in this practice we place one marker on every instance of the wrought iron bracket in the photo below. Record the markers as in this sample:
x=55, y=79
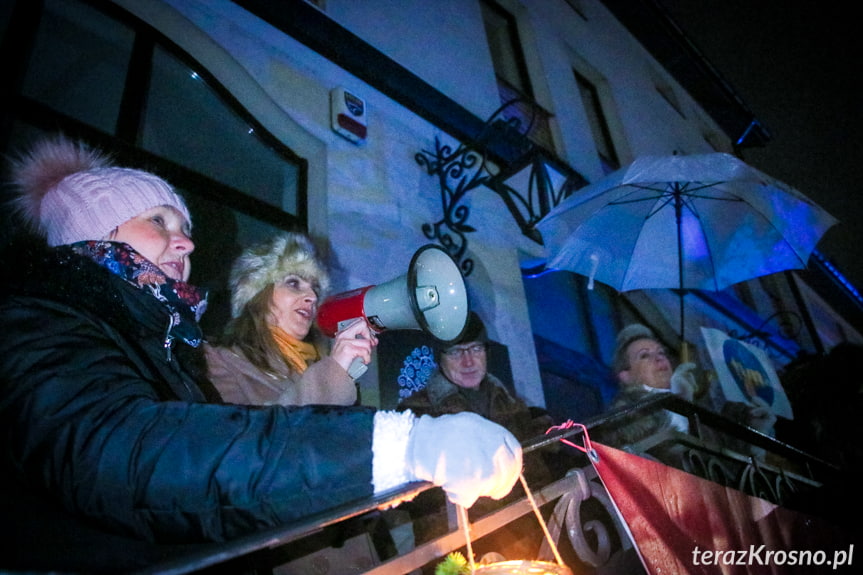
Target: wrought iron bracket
x=529, y=180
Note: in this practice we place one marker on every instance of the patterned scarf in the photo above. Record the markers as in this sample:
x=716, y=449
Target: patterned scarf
x=185, y=302
x=297, y=354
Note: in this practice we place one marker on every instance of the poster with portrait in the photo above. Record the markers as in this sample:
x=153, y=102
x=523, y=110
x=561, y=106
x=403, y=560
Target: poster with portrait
x=745, y=372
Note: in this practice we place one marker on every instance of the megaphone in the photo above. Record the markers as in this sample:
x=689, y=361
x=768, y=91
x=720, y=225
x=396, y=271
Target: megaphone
x=431, y=297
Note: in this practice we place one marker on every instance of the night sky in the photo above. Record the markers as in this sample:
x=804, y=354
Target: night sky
x=797, y=67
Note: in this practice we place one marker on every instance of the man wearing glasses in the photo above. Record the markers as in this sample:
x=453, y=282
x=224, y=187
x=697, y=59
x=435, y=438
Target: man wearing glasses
x=462, y=382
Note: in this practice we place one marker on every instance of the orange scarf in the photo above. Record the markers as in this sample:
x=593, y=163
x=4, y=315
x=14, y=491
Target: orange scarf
x=297, y=354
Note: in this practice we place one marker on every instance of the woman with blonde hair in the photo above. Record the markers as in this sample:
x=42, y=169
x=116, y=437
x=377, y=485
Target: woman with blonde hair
x=271, y=352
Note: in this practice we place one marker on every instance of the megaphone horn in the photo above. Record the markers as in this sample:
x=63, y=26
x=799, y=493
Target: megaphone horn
x=431, y=297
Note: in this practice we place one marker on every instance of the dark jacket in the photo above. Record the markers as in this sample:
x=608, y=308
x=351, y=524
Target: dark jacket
x=639, y=427
x=491, y=399
x=110, y=452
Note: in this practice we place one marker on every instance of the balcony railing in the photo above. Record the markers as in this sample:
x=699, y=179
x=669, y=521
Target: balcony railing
x=575, y=505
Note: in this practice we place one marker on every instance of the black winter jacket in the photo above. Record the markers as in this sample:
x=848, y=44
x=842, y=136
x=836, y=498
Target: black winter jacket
x=111, y=453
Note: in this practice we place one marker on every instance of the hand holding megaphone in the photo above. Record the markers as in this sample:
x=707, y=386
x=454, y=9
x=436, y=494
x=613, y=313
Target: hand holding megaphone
x=431, y=296
x=352, y=348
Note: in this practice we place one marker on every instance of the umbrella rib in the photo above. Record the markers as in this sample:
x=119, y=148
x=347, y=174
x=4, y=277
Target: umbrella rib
x=658, y=207
x=693, y=209
x=736, y=198
x=685, y=189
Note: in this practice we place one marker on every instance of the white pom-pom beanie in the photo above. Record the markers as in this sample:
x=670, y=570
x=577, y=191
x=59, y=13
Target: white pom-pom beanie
x=70, y=193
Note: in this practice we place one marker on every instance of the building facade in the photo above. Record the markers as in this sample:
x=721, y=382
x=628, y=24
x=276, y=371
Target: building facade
x=382, y=126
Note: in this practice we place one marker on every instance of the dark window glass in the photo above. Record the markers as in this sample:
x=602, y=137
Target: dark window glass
x=79, y=63
x=513, y=81
x=506, y=56
x=598, y=124
x=186, y=122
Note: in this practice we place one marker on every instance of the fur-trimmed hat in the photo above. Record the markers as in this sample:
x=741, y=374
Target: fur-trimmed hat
x=270, y=262
x=70, y=193
x=627, y=335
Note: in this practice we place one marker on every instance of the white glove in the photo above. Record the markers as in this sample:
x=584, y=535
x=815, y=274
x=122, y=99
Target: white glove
x=759, y=416
x=683, y=381
x=465, y=454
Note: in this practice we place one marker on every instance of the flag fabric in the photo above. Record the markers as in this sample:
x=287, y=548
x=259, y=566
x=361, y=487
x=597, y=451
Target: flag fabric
x=683, y=524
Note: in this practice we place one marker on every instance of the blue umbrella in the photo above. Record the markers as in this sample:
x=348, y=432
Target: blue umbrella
x=703, y=221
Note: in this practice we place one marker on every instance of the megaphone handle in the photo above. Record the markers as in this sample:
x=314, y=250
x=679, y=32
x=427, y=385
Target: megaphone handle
x=357, y=368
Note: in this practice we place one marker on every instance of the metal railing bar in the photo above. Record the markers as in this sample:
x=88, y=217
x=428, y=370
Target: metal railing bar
x=454, y=540
x=714, y=420
x=209, y=555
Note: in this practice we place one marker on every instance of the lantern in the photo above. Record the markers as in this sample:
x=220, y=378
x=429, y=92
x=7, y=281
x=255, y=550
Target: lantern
x=515, y=567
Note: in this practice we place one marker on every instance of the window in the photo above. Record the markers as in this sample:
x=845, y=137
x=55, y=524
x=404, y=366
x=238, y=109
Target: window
x=512, y=75
x=574, y=330
x=506, y=56
x=79, y=63
x=185, y=120
x=95, y=72
x=598, y=124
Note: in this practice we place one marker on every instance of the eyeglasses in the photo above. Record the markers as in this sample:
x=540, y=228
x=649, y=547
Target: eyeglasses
x=459, y=352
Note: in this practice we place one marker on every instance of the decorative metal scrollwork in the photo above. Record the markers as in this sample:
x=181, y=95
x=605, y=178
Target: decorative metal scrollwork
x=606, y=533
x=458, y=173
x=748, y=475
x=469, y=166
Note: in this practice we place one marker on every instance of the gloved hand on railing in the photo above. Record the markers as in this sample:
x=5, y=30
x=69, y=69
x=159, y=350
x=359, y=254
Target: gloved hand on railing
x=760, y=416
x=463, y=453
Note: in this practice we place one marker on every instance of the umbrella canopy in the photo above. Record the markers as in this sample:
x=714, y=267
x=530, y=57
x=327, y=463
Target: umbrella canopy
x=702, y=221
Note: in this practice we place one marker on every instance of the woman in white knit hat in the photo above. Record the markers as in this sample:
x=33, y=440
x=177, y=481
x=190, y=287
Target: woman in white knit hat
x=113, y=454
x=271, y=352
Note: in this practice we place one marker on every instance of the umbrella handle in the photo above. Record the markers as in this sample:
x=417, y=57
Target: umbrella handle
x=684, y=352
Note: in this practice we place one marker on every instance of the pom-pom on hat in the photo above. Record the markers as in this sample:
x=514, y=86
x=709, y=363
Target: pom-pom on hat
x=70, y=193
x=271, y=262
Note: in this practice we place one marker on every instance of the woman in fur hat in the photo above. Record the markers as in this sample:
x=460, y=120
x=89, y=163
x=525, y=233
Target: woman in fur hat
x=113, y=456
x=644, y=369
x=271, y=353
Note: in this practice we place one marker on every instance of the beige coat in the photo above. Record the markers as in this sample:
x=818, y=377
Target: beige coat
x=240, y=382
